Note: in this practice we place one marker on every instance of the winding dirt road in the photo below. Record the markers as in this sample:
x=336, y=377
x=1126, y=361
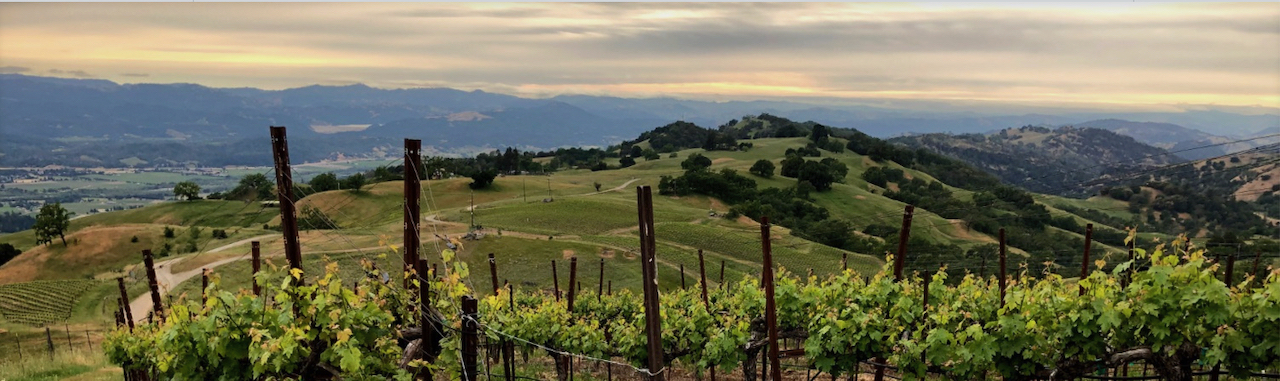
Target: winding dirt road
x=167, y=279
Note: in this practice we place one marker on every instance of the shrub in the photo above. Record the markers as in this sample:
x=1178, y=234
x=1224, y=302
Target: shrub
x=354, y=182
x=482, y=179
x=313, y=219
x=762, y=168
x=695, y=162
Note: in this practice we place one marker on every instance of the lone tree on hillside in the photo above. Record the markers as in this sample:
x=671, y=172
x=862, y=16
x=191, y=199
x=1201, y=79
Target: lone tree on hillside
x=313, y=218
x=324, y=182
x=483, y=179
x=354, y=182
x=186, y=189
x=762, y=168
x=695, y=162
x=52, y=221
x=253, y=187
x=820, y=134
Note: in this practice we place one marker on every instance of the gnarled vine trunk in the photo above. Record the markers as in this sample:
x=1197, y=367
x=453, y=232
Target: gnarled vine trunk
x=1177, y=365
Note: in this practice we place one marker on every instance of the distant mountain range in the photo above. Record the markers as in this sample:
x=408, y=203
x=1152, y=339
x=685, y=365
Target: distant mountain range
x=1058, y=161
x=46, y=120
x=1187, y=143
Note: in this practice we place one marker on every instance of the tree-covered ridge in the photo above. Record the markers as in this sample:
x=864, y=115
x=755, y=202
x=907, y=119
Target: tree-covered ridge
x=1173, y=207
x=1216, y=195
x=677, y=136
x=1053, y=161
x=767, y=126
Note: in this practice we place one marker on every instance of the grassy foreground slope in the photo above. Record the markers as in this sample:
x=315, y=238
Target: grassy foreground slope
x=524, y=230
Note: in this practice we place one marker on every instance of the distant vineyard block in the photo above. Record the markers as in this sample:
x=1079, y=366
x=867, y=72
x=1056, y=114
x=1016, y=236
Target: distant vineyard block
x=41, y=302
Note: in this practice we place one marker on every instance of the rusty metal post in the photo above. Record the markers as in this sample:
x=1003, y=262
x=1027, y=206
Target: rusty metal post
x=412, y=204
x=49, y=336
x=770, y=308
x=982, y=269
x=120, y=308
x=204, y=285
x=573, y=279
x=574, y=287
x=682, y=283
x=722, y=274
x=899, y=261
x=424, y=307
x=257, y=265
x=152, y=283
x=924, y=312
x=1231, y=266
x=1257, y=259
x=470, y=338
x=649, y=283
x=284, y=193
x=900, y=258
x=1128, y=275
x=1084, y=264
x=509, y=348
x=702, y=275
x=124, y=295
x=1003, y=275
x=600, y=287
x=493, y=273
x=555, y=280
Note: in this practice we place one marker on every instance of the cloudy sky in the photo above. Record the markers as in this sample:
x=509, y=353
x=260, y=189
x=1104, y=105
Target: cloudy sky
x=1121, y=54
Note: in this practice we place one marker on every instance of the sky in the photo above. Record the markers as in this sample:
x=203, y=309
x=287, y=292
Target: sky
x=1119, y=54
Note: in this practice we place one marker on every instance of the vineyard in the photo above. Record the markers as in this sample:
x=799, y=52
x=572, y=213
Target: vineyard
x=1165, y=308
x=41, y=302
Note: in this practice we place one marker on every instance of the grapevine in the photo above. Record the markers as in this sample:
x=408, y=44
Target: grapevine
x=1165, y=307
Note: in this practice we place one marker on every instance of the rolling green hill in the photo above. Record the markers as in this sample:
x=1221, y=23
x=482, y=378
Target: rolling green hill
x=529, y=220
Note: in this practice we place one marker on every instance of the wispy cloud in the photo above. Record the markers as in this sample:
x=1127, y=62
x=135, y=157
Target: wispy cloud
x=73, y=73
x=135, y=75
x=14, y=69
x=1102, y=53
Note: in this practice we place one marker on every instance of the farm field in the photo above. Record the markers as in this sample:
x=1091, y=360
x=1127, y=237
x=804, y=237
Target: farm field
x=126, y=187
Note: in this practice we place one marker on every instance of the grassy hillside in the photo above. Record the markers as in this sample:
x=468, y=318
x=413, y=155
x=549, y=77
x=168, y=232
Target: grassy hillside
x=514, y=204
x=528, y=221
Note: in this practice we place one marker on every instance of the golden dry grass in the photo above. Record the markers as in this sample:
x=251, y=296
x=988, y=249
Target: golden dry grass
x=89, y=251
